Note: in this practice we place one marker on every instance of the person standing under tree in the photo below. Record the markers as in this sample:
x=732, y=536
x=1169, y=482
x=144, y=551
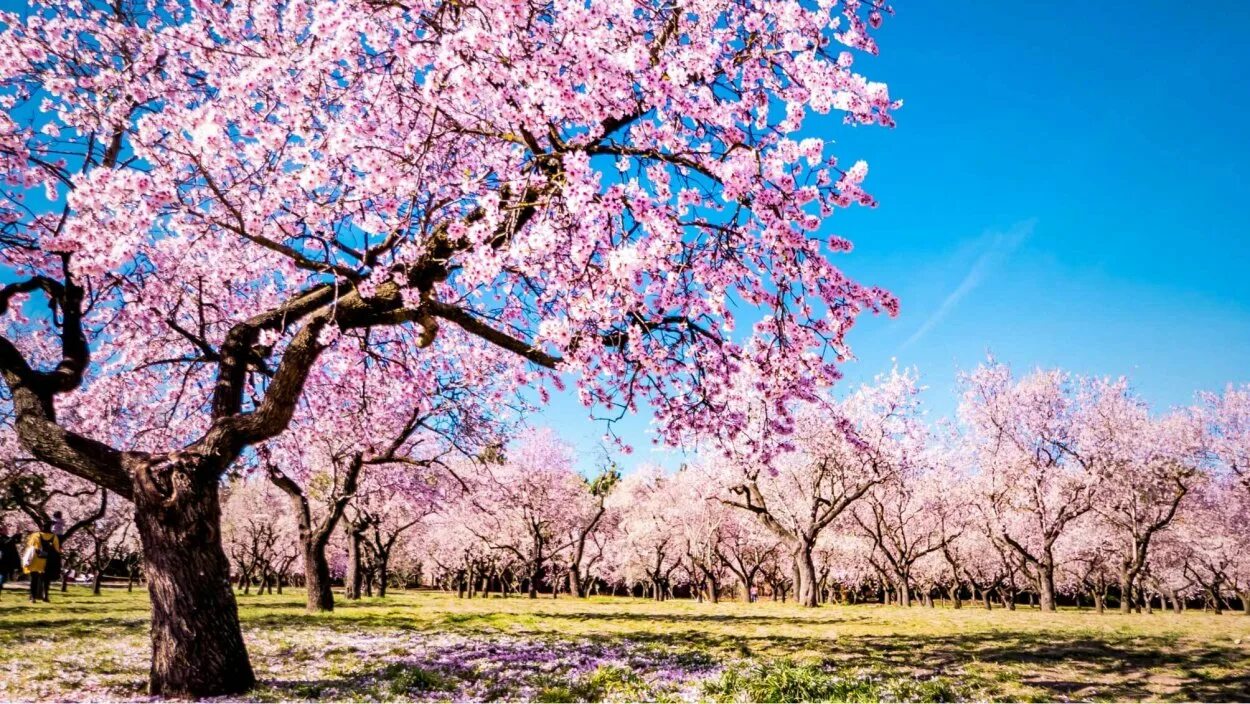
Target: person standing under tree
x=41, y=558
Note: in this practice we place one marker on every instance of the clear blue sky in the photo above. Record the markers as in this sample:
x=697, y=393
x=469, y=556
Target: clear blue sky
x=1067, y=187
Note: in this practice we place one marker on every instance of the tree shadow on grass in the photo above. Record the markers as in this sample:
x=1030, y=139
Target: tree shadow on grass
x=827, y=618
x=64, y=627
x=1056, y=663
x=1061, y=665
x=335, y=621
x=492, y=667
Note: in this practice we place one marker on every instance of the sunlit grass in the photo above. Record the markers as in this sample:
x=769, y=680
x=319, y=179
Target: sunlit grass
x=409, y=646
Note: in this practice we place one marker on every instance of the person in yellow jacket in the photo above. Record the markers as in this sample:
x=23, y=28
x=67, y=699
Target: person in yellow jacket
x=42, y=546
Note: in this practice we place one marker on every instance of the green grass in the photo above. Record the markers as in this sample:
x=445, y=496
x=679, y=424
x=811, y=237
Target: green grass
x=425, y=645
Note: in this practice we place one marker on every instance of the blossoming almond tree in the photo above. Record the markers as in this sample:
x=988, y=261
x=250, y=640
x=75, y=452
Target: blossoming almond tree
x=647, y=550
x=1146, y=468
x=201, y=198
x=360, y=416
x=394, y=500
x=524, y=503
x=1227, y=419
x=1036, y=480
x=590, y=528
x=840, y=451
x=903, y=517
x=257, y=531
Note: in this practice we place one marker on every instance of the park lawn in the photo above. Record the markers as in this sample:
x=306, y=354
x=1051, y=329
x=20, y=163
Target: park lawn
x=430, y=645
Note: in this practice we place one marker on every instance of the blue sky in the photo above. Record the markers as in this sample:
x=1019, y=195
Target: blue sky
x=1066, y=187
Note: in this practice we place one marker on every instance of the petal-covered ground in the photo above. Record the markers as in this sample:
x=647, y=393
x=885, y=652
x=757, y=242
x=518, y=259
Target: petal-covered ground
x=429, y=646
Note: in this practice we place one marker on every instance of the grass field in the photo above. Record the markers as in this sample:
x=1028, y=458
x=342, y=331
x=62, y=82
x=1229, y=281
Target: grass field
x=427, y=645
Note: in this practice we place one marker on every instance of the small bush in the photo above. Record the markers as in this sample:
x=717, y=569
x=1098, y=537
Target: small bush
x=612, y=682
x=607, y=683
x=557, y=694
x=787, y=681
x=404, y=679
x=938, y=689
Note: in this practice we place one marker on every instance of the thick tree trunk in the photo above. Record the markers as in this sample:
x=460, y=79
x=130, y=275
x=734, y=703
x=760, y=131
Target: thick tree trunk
x=805, y=593
x=197, y=644
x=317, y=577
x=1216, y=600
x=1046, y=588
x=745, y=588
x=384, y=574
x=354, y=577
x=95, y=582
x=903, y=591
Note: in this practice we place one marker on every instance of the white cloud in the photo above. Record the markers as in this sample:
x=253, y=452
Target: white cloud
x=999, y=246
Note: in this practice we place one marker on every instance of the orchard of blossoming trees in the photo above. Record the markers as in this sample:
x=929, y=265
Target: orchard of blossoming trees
x=1050, y=487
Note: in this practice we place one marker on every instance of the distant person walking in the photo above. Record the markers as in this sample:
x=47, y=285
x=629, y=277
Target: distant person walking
x=42, y=561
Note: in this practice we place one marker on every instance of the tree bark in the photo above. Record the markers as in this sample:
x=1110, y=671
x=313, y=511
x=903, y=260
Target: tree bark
x=575, y=581
x=903, y=591
x=317, y=577
x=805, y=593
x=197, y=644
x=353, y=579
x=384, y=573
x=1046, y=587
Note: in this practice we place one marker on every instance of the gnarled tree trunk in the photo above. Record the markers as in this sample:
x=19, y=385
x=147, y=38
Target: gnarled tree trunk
x=314, y=538
x=197, y=644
